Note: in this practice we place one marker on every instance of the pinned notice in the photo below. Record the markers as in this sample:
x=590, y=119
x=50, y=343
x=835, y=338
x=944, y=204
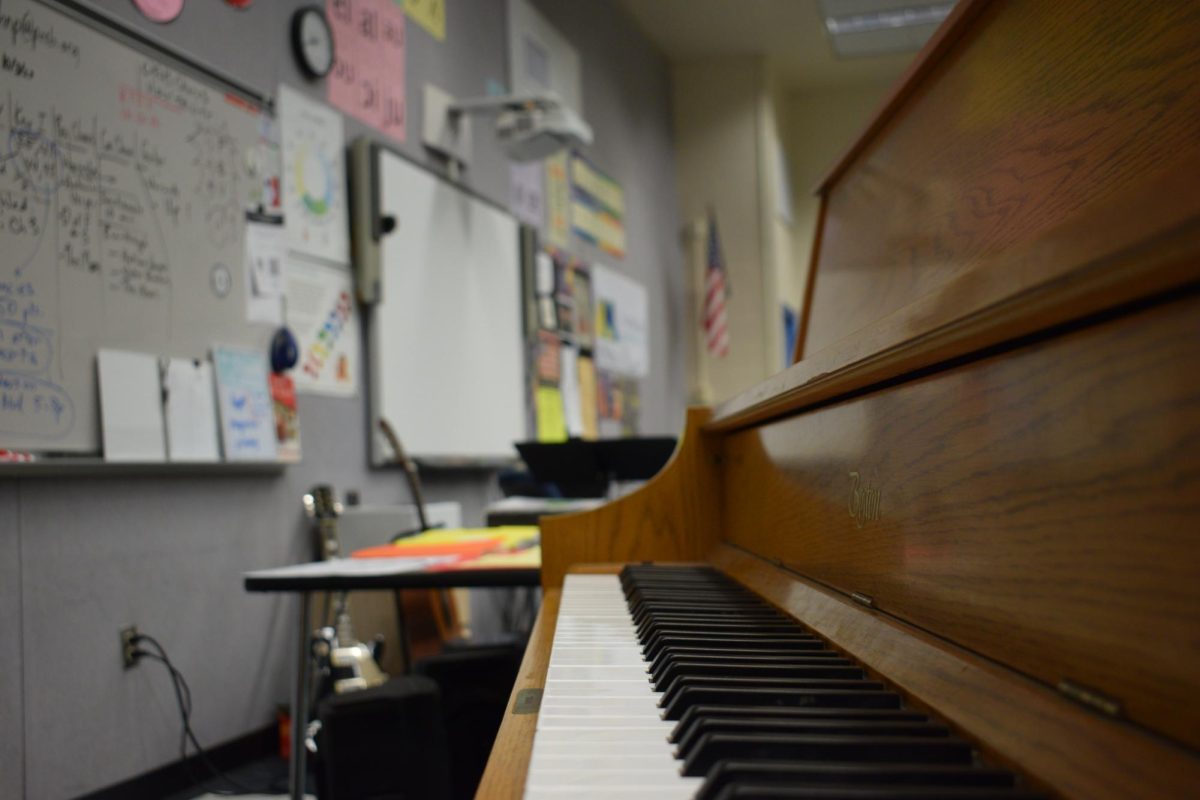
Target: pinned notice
x=367, y=81
x=247, y=415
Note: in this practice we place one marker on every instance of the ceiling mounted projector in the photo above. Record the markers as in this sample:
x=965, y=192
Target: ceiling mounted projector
x=529, y=126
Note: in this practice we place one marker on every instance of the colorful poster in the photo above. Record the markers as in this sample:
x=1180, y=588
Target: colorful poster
x=367, y=81
x=526, y=189
x=430, y=15
x=621, y=331
x=618, y=402
x=597, y=207
x=322, y=316
x=314, y=178
x=558, y=201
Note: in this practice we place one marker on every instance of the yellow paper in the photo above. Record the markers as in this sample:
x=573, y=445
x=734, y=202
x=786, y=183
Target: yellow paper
x=510, y=536
x=430, y=15
x=551, y=423
x=587, y=397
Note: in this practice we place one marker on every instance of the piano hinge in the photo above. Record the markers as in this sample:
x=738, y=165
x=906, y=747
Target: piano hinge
x=1091, y=698
x=528, y=701
x=863, y=599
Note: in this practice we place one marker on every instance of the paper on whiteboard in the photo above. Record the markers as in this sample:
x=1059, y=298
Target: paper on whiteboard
x=131, y=409
x=190, y=410
x=314, y=179
x=622, y=344
x=322, y=316
x=265, y=258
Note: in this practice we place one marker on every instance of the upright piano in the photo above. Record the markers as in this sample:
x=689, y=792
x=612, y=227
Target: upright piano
x=973, y=501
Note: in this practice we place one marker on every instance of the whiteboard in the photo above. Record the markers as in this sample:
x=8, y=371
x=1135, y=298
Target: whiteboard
x=123, y=187
x=446, y=353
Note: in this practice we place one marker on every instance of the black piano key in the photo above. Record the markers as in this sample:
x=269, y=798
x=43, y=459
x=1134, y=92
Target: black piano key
x=800, y=726
x=650, y=613
x=718, y=628
x=896, y=776
x=750, y=686
x=689, y=696
x=760, y=792
x=718, y=683
x=653, y=622
x=788, y=643
x=669, y=661
x=730, y=669
x=757, y=654
x=722, y=625
x=714, y=747
x=763, y=638
x=697, y=714
x=640, y=599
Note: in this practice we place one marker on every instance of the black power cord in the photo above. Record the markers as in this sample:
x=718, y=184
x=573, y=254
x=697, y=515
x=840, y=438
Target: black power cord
x=183, y=697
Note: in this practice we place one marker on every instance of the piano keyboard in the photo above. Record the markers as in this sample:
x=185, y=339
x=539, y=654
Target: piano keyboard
x=675, y=682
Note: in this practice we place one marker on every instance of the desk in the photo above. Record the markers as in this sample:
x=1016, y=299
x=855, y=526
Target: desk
x=349, y=574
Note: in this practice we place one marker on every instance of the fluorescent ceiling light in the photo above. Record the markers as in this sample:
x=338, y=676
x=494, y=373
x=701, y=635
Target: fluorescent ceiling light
x=888, y=19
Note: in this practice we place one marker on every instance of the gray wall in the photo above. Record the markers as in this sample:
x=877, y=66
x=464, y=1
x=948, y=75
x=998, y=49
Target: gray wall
x=80, y=557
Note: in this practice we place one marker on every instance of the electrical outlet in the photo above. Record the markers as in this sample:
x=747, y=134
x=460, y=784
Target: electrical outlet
x=129, y=655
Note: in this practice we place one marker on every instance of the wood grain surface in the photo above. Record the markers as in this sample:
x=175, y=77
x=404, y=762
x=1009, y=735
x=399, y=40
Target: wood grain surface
x=1018, y=722
x=1034, y=114
x=1142, y=241
x=1039, y=507
x=673, y=517
x=504, y=776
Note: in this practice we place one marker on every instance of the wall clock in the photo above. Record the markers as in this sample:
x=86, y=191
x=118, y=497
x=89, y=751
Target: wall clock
x=312, y=42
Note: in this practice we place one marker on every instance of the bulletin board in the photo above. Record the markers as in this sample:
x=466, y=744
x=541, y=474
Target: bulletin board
x=125, y=175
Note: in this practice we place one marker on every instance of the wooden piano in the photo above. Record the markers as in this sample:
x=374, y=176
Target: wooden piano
x=980, y=480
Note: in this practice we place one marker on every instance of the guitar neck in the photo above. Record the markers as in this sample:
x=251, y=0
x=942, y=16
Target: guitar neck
x=327, y=531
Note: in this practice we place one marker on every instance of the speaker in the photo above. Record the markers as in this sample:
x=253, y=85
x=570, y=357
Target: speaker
x=383, y=743
x=475, y=683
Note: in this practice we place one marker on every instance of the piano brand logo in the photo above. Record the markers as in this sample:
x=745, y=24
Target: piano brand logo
x=864, y=501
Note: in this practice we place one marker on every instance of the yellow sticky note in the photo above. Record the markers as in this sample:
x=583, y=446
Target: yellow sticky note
x=551, y=422
x=430, y=15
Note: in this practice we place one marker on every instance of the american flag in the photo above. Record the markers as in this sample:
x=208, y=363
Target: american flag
x=716, y=291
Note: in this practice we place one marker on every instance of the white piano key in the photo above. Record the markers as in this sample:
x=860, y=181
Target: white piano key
x=600, y=732
x=604, y=721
